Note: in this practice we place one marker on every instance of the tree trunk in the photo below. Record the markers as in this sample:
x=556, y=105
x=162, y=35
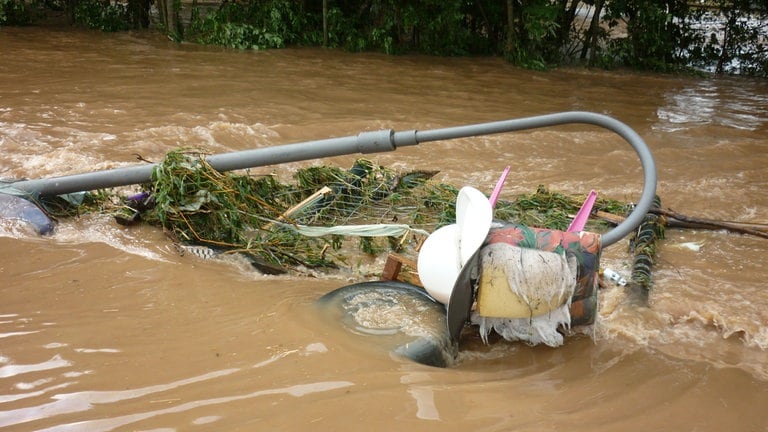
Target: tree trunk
x=169, y=18
x=139, y=13
x=569, y=14
x=325, y=23
x=161, y=12
x=725, y=53
x=170, y=15
x=511, y=30
x=590, y=40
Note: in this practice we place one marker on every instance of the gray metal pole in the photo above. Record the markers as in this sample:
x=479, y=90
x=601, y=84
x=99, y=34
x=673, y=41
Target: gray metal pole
x=557, y=119
x=368, y=142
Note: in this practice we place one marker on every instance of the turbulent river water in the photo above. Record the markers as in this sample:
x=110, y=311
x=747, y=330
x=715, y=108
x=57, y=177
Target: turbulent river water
x=104, y=327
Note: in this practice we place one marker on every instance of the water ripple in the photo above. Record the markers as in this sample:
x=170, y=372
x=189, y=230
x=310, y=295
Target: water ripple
x=66, y=403
x=708, y=103
x=297, y=390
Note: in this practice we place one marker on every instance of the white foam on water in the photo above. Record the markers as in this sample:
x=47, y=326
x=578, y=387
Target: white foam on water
x=213, y=137
x=728, y=333
x=15, y=228
x=102, y=229
x=65, y=150
x=706, y=103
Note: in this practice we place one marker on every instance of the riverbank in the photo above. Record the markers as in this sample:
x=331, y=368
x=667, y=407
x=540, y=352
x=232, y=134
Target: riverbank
x=533, y=36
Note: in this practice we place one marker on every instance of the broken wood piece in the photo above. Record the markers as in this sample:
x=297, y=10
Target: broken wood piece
x=677, y=220
x=300, y=206
x=683, y=221
x=393, y=270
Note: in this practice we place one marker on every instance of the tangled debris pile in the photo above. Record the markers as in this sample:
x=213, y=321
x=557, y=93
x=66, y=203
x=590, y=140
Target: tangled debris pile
x=315, y=221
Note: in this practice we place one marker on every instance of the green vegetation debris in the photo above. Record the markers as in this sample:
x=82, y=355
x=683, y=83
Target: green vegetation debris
x=643, y=244
x=261, y=216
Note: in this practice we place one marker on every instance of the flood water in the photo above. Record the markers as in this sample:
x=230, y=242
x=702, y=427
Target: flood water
x=106, y=328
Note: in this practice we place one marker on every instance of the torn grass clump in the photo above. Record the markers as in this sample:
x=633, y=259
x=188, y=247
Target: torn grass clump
x=197, y=204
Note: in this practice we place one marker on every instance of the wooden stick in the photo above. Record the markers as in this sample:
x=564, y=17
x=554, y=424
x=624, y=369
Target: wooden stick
x=677, y=220
x=683, y=221
x=309, y=200
x=609, y=217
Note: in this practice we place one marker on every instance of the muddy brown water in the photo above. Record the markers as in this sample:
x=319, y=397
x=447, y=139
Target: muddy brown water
x=107, y=328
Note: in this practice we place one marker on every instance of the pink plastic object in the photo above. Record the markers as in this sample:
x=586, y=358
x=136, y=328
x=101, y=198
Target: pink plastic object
x=581, y=217
x=497, y=190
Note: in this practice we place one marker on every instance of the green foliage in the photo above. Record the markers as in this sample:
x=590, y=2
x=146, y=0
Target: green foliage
x=17, y=12
x=733, y=41
x=653, y=35
x=536, y=35
x=200, y=205
x=661, y=35
x=724, y=36
x=390, y=26
x=79, y=203
x=197, y=204
x=254, y=25
x=551, y=209
x=102, y=15
x=236, y=35
x=258, y=216
x=433, y=27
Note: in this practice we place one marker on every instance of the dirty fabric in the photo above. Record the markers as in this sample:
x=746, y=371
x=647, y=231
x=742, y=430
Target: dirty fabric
x=518, y=248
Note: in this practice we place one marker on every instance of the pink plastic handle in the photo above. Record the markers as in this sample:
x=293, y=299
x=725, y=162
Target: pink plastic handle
x=583, y=215
x=499, y=185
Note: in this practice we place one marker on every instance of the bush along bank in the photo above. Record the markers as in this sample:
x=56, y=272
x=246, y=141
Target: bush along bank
x=716, y=36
